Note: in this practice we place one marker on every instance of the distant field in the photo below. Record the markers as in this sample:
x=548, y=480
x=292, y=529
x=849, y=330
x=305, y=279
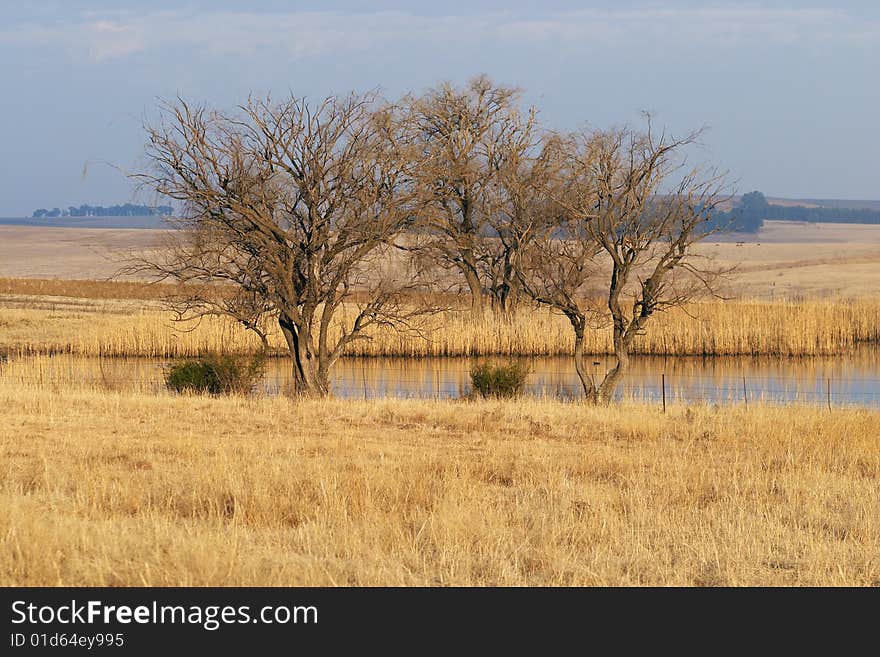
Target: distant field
x=784, y=260
x=72, y=253
x=789, y=259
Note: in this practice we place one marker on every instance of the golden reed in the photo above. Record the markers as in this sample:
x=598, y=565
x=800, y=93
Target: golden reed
x=140, y=328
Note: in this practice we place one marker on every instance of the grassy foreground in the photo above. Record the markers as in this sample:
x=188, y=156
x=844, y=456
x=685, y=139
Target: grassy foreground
x=131, y=489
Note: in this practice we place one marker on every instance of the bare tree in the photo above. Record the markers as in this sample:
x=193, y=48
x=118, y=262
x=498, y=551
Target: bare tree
x=459, y=133
x=296, y=206
x=527, y=166
x=621, y=247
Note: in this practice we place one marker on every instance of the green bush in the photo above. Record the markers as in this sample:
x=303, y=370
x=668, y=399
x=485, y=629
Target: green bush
x=499, y=379
x=216, y=374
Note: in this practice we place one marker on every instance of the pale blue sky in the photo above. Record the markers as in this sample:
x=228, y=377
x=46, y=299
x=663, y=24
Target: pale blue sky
x=790, y=91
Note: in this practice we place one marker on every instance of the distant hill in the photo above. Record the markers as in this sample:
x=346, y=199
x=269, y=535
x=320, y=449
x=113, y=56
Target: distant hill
x=850, y=204
x=747, y=213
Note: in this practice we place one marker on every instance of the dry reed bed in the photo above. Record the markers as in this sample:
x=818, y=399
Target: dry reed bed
x=139, y=328
x=108, y=489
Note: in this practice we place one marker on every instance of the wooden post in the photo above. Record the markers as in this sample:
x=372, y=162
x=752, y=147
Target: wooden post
x=663, y=389
x=745, y=393
x=828, y=388
x=364, y=374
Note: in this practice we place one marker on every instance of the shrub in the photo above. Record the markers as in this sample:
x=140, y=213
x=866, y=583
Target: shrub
x=499, y=379
x=216, y=374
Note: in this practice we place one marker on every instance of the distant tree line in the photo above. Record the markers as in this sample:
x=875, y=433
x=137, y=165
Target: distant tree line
x=749, y=213
x=830, y=215
x=127, y=210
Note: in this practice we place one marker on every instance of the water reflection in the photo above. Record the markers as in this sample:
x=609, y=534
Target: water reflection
x=851, y=379
x=847, y=379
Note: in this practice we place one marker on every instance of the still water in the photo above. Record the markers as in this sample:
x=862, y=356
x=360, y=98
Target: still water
x=844, y=379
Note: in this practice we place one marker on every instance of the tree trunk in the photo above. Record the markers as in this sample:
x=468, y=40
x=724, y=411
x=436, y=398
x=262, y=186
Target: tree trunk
x=507, y=295
x=579, y=324
x=306, y=379
x=609, y=384
x=473, y=280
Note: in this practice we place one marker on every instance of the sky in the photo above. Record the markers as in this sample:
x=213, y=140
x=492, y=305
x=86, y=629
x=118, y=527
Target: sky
x=789, y=91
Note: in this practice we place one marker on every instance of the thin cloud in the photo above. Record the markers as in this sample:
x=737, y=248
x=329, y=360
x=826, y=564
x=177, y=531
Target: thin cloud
x=302, y=35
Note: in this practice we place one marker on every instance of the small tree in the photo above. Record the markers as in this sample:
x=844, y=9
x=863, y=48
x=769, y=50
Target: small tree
x=621, y=247
x=295, y=206
x=460, y=135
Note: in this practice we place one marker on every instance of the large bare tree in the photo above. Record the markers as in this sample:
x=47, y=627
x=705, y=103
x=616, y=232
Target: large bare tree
x=460, y=134
x=295, y=205
x=619, y=244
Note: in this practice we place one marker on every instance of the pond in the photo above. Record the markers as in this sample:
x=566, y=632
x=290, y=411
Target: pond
x=849, y=379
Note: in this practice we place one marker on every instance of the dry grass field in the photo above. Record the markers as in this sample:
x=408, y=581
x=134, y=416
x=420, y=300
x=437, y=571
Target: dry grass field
x=147, y=488
x=107, y=489
x=793, y=260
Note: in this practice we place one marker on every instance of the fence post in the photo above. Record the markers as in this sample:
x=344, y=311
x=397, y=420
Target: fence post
x=745, y=393
x=663, y=389
x=828, y=388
